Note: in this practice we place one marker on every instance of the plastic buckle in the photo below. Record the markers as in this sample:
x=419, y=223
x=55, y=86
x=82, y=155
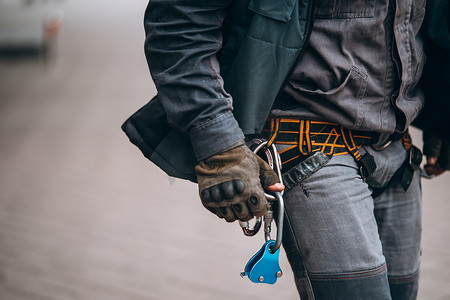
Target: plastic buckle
x=415, y=157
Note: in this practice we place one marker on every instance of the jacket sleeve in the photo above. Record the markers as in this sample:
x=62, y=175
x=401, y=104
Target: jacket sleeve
x=182, y=40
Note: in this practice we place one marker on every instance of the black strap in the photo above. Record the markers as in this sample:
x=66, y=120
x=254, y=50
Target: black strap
x=367, y=164
x=365, y=161
x=404, y=174
x=412, y=163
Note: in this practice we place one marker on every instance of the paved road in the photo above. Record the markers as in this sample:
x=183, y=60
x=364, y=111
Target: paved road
x=82, y=213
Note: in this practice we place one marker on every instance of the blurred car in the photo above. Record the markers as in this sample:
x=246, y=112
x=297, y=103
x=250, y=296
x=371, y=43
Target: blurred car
x=30, y=24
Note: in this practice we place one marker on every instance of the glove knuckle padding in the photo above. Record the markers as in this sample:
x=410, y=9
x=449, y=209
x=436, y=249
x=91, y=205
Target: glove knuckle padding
x=231, y=182
x=227, y=189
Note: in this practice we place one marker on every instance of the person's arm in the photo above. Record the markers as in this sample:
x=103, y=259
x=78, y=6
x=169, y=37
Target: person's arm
x=182, y=40
x=437, y=155
x=435, y=80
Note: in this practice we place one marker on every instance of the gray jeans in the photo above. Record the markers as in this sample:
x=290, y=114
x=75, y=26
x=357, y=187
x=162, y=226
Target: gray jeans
x=344, y=244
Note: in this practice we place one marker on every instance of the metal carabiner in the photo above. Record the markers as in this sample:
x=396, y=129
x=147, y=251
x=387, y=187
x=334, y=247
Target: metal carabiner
x=246, y=227
x=274, y=162
x=273, y=159
x=279, y=237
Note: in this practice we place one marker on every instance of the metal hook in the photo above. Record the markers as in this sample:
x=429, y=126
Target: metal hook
x=275, y=162
x=246, y=227
x=273, y=159
x=279, y=238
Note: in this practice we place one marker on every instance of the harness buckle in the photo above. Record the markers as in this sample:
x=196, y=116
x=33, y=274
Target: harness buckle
x=415, y=157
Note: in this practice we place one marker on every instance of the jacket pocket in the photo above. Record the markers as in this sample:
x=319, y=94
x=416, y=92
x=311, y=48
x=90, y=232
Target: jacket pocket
x=344, y=9
x=342, y=103
x=280, y=10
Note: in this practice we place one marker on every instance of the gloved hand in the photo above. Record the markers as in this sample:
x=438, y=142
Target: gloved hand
x=437, y=154
x=231, y=183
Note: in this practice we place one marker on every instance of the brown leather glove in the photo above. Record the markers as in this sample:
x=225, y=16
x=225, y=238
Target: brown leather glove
x=231, y=184
x=437, y=153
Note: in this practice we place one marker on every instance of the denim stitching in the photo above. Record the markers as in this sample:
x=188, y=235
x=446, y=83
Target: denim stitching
x=404, y=279
x=211, y=122
x=353, y=275
x=304, y=273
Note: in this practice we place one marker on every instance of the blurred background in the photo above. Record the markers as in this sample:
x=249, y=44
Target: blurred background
x=83, y=215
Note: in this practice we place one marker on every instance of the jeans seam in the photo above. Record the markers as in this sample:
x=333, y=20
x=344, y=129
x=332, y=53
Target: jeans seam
x=308, y=286
x=403, y=279
x=350, y=275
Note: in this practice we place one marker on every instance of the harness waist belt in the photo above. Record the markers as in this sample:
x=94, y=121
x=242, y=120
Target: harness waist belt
x=301, y=138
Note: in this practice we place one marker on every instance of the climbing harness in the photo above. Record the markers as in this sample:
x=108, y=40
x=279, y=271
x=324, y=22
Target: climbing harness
x=308, y=145
x=301, y=139
x=264, y=266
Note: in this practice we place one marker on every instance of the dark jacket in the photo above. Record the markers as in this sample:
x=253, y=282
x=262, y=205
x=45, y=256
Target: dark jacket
x=435, y=116
x=261, y=43
x=362, y=66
